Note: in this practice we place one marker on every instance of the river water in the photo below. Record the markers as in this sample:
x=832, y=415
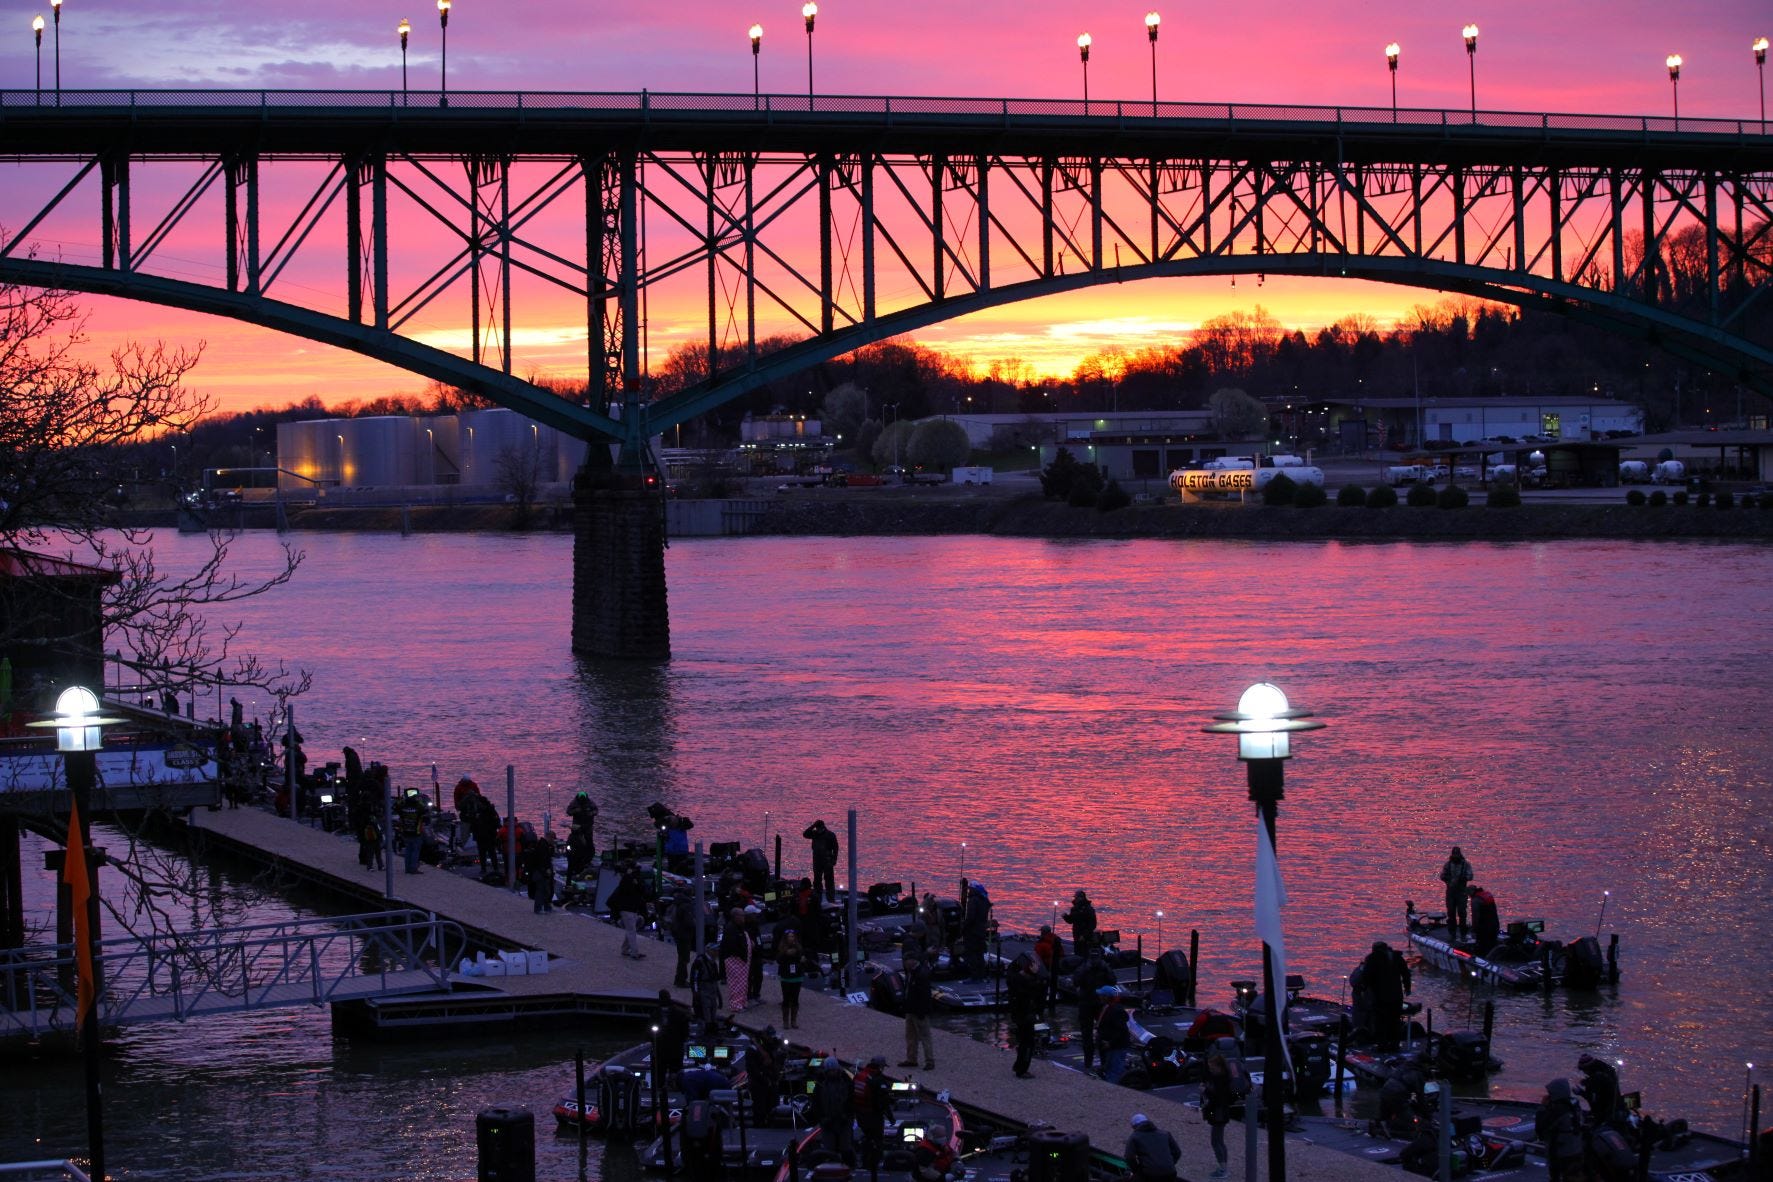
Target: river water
x=1582, y=717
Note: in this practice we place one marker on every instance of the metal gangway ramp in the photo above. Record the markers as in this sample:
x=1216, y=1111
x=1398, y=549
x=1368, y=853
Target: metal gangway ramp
x=178, y=976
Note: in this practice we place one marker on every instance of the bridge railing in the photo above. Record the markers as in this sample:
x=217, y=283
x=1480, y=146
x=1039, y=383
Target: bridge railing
x=883, y=109
x=259, y=966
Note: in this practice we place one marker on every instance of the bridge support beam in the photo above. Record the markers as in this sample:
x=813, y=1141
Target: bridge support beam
x=619, y=602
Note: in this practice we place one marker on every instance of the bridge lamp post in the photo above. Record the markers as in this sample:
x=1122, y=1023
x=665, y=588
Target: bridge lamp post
x=1760, y=48
x=1083, y=53
x=443, y=71
x=56, y=7
x=78, y=737
x=1151, y=22
x=1264, y=723
x=1471, y=35
x=1673, y=62
x=405, y=31
x=756, y=51
x=1391, y=52
x=37, y=32
x=810, y=10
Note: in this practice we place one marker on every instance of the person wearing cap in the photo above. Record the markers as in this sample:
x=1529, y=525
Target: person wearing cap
x=1114, y=1034
x=1151, y=1154
x=1457, y=873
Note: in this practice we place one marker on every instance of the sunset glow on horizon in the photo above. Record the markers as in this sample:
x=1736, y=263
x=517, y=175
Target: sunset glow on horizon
x=1584, y=57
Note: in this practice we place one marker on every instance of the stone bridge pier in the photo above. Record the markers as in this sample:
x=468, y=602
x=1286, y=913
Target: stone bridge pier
x=619, y=602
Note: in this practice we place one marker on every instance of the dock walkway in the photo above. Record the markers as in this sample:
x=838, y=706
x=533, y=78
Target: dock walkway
x=584, y=958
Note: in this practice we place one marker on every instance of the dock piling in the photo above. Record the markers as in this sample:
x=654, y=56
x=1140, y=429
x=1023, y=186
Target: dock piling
x=1489, y=1021
x=387, y=841
x=701, y=903
x=1445, y=1134
x=510, y=827
x=850, y=914
x=1193, y=963
x=1341, y=1052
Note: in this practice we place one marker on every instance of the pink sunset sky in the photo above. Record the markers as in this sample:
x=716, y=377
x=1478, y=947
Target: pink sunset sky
x=1585, y=56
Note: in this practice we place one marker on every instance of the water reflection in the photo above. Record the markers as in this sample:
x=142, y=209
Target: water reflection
x=626, y=737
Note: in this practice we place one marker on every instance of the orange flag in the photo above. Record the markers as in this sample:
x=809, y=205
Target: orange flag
x=79, y=880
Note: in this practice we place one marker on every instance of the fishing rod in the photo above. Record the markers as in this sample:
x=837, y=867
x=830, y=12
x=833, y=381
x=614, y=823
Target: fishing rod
x=1601, y=918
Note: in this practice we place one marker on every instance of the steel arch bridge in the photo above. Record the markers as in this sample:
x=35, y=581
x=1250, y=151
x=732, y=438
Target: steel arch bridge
x=461, y=240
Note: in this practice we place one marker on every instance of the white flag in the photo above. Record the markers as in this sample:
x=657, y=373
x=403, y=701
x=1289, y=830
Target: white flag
x=1271, y=896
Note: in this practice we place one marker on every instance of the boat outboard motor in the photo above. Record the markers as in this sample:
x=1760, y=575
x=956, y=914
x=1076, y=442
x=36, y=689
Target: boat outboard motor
x=886, y=992
x=1584, y=965
x=754, y=869
x=1463, y=1054
x=1172, y=974
x=1310, y=1053
x=618, y=1101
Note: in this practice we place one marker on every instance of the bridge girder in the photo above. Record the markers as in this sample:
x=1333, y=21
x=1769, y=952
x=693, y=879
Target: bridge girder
x=835, y=227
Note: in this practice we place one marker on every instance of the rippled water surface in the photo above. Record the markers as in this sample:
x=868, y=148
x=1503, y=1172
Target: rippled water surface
x=1581, y=717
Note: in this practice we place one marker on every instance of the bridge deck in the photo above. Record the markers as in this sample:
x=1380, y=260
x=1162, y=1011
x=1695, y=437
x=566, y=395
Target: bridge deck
x=586, y=960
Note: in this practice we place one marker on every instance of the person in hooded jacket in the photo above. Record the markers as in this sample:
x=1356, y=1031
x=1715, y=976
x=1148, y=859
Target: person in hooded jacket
x=1600, y=1087
x=627, y=903
x=1558, y=1126
x=1090, y=980
x=1151, y=1154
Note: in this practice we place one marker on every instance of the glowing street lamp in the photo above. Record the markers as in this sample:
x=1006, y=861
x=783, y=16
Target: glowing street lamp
x=1160, y=933
x=1151, y=22
x=1391, y=52
x=1083, y=53
x=443, y=70
x=37, y=32
x=810, y=10
x=1760, y=48
x=1673, y=61
x=405, y=31
x=1264, y=724
x=756, y=49
x=78, y=737
x=1471, y=34
x=56, y=7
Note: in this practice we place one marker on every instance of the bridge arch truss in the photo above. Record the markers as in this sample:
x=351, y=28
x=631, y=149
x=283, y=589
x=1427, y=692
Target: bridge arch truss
x=478, y=242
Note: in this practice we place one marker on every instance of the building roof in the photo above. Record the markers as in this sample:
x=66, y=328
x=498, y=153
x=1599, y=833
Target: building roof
x=1737, y=437
x=23, y=564
x=1515, y=402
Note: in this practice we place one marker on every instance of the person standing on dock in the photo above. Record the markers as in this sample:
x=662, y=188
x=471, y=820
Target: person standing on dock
x=409, y=822
x=736, y=949
x=583, y=811
x=1457, y=873
x=1026, y=984
x=1114, y=1034
x=790, y=974
x=824, y=860
x=1082, y=918
x=1558, y=1126
x=1151, y=1154
x=918, y=1004
x=1218, y=1095
x=626, y=905
x=1090, y=981
x=538, y=871
x=483, y=823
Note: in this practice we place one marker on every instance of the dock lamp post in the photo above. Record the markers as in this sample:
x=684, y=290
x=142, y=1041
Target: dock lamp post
x=405, y=31
x=1160, y=932
x=756, y=49
x=1471, y=34
x=443, y=69
x=1083, y=53
x=77, y=727
x=1760, y=48
x=1152, y=20
x=1673, y=61
x=810, y=10
x=1264, y=724
x=1391, y=52
x=56, y=8
x=37, y=32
